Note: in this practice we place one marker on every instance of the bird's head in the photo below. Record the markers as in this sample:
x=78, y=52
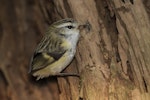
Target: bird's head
x=65, y=28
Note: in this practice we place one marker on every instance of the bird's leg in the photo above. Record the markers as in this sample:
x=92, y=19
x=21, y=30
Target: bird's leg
x=67, y=74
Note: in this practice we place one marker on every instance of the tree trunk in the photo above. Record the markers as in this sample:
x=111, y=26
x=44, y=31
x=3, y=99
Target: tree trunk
x=112, y=59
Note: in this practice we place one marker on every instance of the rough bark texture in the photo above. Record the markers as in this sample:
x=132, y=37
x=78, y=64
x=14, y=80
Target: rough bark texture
x=112, y=59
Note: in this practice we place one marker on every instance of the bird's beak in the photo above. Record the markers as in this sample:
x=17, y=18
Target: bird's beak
x=81, y=27
x=85, y=26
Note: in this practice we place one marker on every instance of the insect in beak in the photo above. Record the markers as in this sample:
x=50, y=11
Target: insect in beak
x=87, y=26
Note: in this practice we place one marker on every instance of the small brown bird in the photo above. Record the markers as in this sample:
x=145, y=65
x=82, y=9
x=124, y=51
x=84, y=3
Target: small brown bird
x=56, y=50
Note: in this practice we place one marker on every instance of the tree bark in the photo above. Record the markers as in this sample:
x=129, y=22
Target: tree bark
x=112, y=59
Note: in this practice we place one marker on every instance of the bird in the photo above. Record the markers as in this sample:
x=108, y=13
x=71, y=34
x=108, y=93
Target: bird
x=56, y=49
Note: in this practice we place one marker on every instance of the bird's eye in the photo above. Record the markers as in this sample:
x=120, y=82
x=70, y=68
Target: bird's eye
x=70, y=27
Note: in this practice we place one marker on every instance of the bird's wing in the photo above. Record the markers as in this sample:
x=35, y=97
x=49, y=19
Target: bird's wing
x=45, y=54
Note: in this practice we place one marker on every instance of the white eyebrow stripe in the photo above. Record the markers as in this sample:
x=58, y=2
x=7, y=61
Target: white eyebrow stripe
x=65, y=24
